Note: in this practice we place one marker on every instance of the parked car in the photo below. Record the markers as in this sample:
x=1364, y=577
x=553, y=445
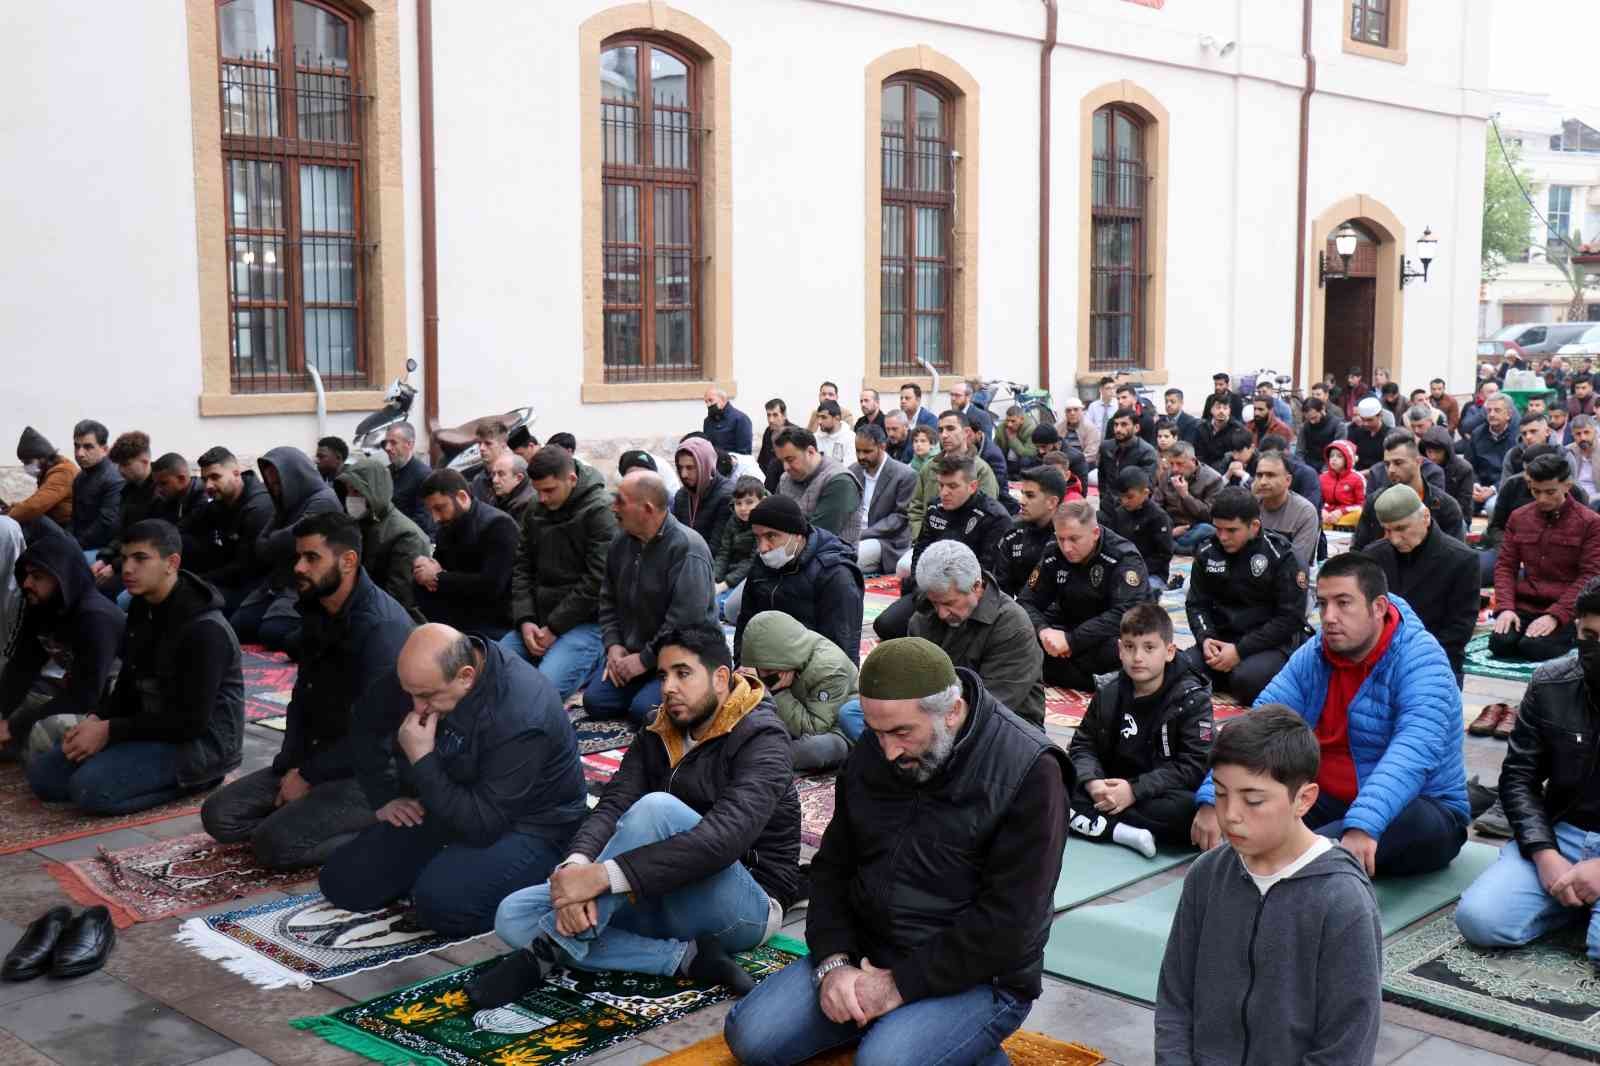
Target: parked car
x=1587, y=345
x=1532, y=338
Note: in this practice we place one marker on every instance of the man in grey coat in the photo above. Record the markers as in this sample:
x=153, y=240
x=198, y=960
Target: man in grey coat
x=961, y=609
x=886, y=488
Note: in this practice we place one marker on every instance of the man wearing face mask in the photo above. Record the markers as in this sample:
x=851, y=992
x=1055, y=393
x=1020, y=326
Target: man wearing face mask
x=1548, y=876
x=54, y=474
x=390, y=542
x=805, y=572
x=307, y=804
x=726, y=426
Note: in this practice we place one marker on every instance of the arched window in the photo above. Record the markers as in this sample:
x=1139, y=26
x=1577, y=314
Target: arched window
x=650, y=183
x=918, y=209
x=1119, y=264
x=293, y=136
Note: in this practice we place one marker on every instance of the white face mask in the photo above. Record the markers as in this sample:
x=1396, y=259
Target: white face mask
x=777, y=558
x=355, y=506
x=32, y=468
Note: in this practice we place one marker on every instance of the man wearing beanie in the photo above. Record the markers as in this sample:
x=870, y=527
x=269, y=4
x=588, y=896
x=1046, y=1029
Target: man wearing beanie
x=934, y=882
x=1437, y=575
x=53, y=473
x=805, y=572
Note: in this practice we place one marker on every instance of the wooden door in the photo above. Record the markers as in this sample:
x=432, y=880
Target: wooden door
x=1350, y=320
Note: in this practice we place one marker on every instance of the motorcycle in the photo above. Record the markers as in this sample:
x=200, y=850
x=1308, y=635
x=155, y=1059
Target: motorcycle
x=370, y=431
x=457, y=447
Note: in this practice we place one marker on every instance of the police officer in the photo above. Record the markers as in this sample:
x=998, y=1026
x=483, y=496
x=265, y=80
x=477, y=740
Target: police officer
x=1032, y=531
x=965, y=513
x=1076, y=596
x=1247, y=599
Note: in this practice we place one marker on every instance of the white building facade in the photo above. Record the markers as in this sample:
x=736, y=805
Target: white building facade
x=632, y=201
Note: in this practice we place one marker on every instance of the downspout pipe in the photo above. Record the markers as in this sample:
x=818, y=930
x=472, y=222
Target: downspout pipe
x=1044, y=192
x=1302, y=191
x=429, y=191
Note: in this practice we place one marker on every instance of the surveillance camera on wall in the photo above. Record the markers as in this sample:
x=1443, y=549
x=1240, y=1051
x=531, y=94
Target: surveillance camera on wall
x=1209, y=43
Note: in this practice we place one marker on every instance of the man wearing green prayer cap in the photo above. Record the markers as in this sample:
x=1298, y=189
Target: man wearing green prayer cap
x=931, y=894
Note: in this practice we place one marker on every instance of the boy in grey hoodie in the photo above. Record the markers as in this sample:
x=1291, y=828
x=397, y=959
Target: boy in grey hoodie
x=1275, y=954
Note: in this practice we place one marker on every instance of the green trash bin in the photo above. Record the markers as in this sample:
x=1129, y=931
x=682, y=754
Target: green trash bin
x=1520, y=397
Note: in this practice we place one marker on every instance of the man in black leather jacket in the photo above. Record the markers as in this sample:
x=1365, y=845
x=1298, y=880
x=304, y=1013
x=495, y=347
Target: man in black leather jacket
x=1550, y=788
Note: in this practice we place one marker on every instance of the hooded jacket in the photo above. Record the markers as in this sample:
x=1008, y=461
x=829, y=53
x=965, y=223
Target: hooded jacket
x=823, y=677
x=97, y=505
x=181, y=682
x=302, y=492
x=390, y=542
x=997, y=643
x=80, y=628
x=739, y=777
x=341, y=657
x=504, y=760
x=1459, y=476
x=821, y=588
x=477, y=551
x=663, y=583
x=561, y=561
x=220, y=539
x=53, y=497
x=11, y=545
x=707, y=507
x=1347, y=488
x=1289, y=977
x=1316, y=436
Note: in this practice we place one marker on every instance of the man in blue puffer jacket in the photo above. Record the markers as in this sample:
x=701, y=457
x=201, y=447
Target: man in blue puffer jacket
x=1378, y=692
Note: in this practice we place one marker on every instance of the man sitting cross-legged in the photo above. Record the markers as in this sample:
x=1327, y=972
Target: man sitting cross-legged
x=307, y=804
x=692, y=852
x=1551, y=548
x=472, y=767
x=931, y=894
x=1549, y=876
x=1141, y=749
x=175, y=721
x=1247, y=599
x=1377, y=691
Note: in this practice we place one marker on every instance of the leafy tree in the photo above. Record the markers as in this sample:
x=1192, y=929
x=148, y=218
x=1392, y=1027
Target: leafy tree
x=1505, y=212
x=1576, y=275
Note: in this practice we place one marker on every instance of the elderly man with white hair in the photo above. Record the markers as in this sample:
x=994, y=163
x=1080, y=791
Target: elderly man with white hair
x=1077, y=431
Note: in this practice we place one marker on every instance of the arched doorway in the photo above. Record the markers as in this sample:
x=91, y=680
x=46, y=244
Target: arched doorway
x=1364, y=312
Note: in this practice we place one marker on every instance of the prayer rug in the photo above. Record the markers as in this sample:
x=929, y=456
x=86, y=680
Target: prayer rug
x=599, y=734
x=279, y=724
x=304, y=939
x=599, y=766
x=1023, y=1048
x=884, y=585
x=1481, y=663
x=155, y=881
x=574, y=1015
x=1094, y=868
x=874, y=604
x=816, y=808
x=268, y=682
x=1547, y=992
x=26, y=823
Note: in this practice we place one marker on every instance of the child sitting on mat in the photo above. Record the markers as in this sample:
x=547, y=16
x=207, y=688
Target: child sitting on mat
x=1307, y=989
x=1141, y=749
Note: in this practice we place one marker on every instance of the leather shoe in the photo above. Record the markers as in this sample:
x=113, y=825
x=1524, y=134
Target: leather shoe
x=1487, y=719
x=84, y=944
x=31, y=955
x=1508, y=722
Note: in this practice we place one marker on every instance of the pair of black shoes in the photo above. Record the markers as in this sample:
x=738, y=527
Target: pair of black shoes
x=60, y=945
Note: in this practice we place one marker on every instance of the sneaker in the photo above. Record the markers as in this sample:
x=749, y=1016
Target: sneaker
x=1493, y=823
x=1480, y=797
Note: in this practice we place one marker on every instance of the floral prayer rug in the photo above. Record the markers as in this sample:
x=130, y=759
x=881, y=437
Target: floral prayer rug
x=599, y=734
x=1022, y=1047
x=1547, y=993
x=169, y=877
x=304, y=939
x=268, y=682
x=25, y=822
x=1483, y=664
x=573, y=1015
x=598, y=768
x=816, y=810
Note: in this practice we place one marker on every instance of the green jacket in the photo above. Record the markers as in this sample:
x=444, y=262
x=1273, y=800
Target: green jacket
x=927, y=493
x=823, y=677
x=390, y=542
x=555, y=581
x=1022, y=443
x=735, y=551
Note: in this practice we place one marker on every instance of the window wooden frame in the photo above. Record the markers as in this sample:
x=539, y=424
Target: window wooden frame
x=1113, y=211
x=908, y=198
x=1394, y=48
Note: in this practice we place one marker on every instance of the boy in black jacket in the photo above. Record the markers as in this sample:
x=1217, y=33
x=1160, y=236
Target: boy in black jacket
x=1142, y=747
x=1139, y=519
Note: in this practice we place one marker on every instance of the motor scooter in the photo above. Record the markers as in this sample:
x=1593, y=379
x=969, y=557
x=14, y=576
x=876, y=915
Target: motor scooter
x=370, y=431
x=457, y=446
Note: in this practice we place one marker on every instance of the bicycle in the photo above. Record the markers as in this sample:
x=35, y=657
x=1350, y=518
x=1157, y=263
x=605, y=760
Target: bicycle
x=1032, y=401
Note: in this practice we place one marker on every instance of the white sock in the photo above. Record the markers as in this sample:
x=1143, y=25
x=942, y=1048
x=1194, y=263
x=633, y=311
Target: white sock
x=1139, y=840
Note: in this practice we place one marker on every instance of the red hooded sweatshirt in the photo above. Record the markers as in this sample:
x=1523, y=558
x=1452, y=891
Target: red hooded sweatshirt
x=1347, y=488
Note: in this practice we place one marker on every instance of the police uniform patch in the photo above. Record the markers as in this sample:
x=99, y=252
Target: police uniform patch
x=1132, y=578
x=1258, y=565
x=1097, y=574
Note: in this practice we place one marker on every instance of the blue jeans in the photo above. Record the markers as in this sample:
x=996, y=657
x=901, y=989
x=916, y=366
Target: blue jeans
x=453, y=886
x=1158, y=585
x=781, y=1023
x=1425, y=836
x=1189, y=541
x=570, y=660
x=636, y=699
x=646, y=935
x=1507, y=906
x=851, y=719
x=119, y=779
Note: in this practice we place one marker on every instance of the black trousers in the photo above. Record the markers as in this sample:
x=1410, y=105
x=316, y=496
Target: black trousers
x=1078, y=670
x=1245, y=681
x=1518, y=645
x=1167, y=816
x=895, y=621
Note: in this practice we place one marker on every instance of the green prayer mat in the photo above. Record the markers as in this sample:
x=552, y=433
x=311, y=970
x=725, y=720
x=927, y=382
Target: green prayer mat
x=1402, y=900
x=1547, y=992
x=1092, y=868
x=575, y=1014
x=1478, y=661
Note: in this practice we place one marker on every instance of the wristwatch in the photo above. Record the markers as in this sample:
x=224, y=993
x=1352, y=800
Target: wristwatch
x=827, y=967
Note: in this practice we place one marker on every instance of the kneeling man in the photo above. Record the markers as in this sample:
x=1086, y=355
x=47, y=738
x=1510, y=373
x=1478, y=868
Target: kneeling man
x=931, y=894
x=693, y=852
x=1377, y=690
x=484, y=793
